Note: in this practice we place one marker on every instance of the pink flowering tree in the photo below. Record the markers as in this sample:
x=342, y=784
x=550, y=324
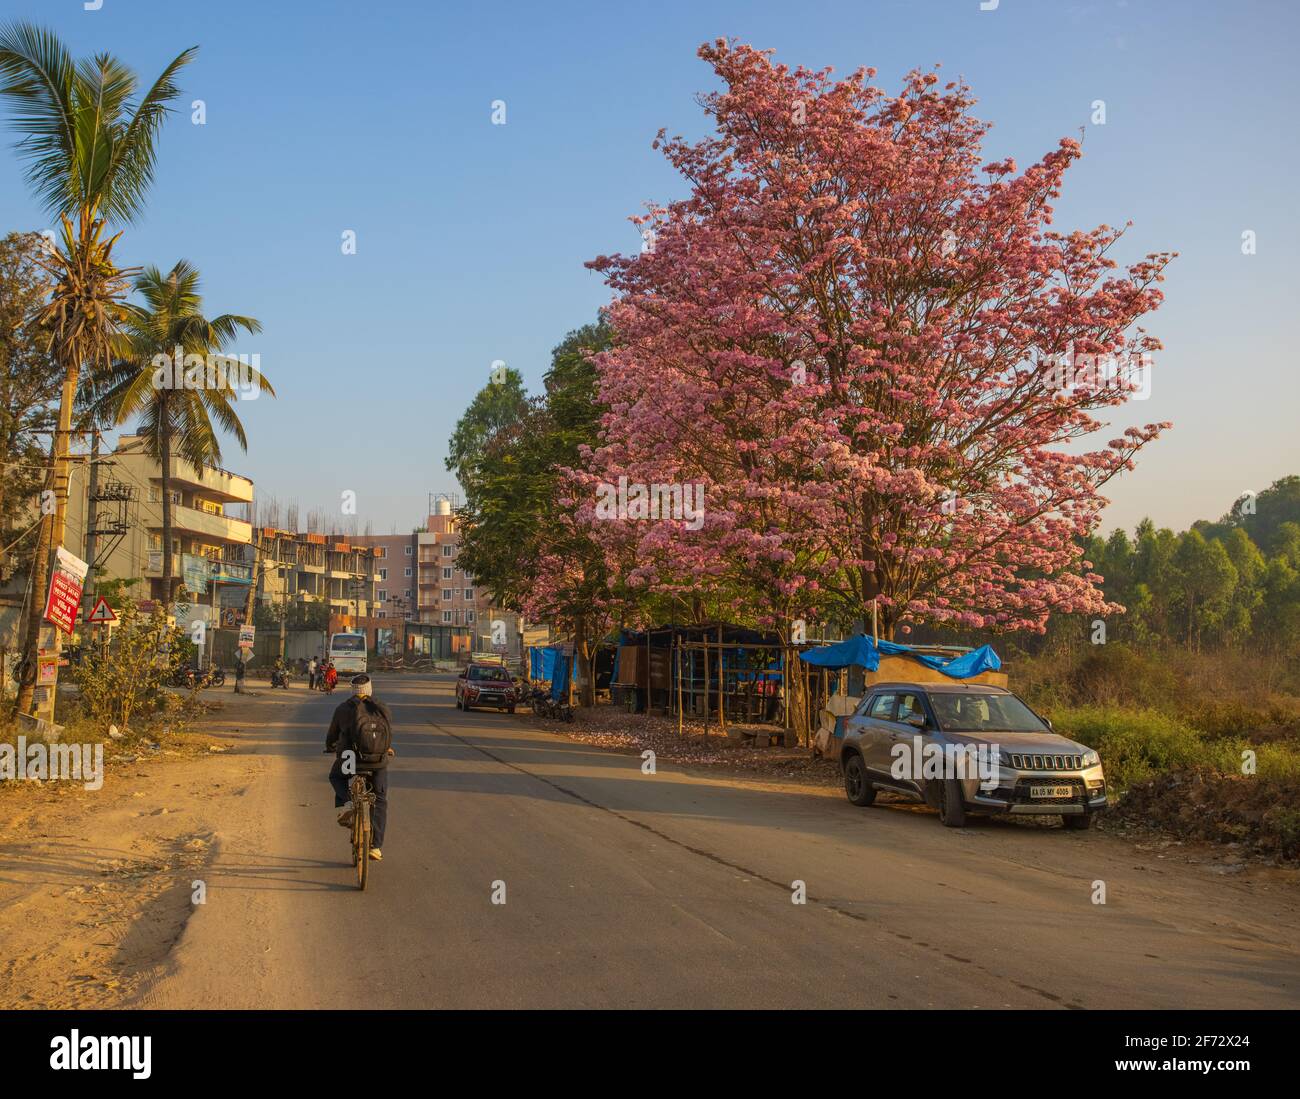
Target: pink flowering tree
x=868, y=344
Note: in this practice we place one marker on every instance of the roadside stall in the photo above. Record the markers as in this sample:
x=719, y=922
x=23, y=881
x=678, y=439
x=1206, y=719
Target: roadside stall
x=884, y=662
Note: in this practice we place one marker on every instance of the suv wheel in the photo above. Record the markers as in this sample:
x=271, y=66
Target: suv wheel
x=857, y=786
x=1078, y=823
x=952, y=814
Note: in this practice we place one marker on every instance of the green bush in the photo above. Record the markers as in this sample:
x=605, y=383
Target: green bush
x=1136, y=745
x=126, y=684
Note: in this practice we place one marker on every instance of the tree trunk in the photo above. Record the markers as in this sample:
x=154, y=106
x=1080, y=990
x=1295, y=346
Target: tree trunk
x=583, y=653
x=165, y=449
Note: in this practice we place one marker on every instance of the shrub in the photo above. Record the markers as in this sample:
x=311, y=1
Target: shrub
x=126, y=683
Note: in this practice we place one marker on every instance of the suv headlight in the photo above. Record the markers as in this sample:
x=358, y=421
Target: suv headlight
x=1091, y=759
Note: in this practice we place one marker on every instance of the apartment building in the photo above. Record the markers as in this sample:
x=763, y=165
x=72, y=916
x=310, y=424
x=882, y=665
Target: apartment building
x=121, y=515
x=422, y=583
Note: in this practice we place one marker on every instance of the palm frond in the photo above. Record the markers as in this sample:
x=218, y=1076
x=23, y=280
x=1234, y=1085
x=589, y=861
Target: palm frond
x=38, y=76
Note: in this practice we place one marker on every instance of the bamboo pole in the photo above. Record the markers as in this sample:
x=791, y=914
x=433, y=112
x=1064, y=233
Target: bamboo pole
x=677, y=664
x=706, y=689
x=722, y=710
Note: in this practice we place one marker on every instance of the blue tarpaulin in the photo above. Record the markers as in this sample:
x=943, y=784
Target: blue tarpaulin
x=551, y=663
x=862, y=652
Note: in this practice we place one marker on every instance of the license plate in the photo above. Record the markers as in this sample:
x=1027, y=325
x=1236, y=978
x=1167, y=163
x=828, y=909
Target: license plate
x=1051, y=791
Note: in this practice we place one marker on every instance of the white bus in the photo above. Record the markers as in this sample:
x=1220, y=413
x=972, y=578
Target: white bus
x=348, y=653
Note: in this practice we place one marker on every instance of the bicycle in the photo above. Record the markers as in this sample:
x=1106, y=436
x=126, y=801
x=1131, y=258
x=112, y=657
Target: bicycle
x=362, y=792
x=363, y=803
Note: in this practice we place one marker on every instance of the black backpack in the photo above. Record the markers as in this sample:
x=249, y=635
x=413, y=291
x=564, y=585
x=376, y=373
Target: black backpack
x=373, y=737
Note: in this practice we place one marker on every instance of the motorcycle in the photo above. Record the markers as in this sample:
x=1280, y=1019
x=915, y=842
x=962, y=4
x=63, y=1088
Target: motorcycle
x=545, y=706
x=190, y=679
x=280, y=678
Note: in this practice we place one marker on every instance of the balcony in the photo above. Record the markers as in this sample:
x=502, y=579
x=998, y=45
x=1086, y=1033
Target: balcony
x=220, y=484
x=221, y=528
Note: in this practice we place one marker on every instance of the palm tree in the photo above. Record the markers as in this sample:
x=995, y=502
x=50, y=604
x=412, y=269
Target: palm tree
x=89, y=144
x=177, y=412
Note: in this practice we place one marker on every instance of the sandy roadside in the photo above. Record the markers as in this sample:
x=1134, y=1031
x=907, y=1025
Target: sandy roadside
x=96, y=886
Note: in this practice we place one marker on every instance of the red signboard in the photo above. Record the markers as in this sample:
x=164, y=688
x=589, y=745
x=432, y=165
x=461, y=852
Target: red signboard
x=64, y=601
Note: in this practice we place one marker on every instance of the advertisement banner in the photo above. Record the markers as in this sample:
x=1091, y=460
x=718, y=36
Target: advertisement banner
x=63, y=603
x=231, y=572
x=246, y=634
x=195, y=571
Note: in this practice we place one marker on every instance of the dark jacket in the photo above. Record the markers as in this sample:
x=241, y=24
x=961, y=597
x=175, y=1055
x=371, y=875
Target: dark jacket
x=343, y=727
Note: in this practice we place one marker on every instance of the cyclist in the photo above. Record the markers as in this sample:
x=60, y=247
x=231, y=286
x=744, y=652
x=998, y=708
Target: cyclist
x=361, y=712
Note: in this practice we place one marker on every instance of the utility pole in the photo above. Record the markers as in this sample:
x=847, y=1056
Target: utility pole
x=92, y=517
x=53, y=529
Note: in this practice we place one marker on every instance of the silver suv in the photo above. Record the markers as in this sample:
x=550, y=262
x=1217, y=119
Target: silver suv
x=966, y=748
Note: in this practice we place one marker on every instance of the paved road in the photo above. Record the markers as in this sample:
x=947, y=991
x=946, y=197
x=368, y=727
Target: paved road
x=672, y=890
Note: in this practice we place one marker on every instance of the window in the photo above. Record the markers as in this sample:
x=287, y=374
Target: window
x=446, y=617
x=408, y=551
x=469, y=617
x=910, y=707
x=446, y=551
x=446, y=574
x=969, y=712
x=408, y=593
x=408, y=571
x=448, y=593
x=469, y=593
x=381, y=551
x=882, y=707
x=383, y=574
x=382, y=595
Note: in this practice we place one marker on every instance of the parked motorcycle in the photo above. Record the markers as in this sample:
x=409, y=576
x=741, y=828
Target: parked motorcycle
x=190, y=679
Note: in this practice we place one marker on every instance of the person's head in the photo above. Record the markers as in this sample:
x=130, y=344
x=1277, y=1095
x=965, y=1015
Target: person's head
x=361, y=685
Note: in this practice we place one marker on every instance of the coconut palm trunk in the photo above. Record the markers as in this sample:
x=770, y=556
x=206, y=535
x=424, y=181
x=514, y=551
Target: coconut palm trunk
x=165, y=462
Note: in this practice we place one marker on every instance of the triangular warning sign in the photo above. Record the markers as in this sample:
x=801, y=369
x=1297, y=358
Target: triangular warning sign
x=101, y=612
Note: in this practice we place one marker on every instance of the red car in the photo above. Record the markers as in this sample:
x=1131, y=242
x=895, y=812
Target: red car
x=486, y=685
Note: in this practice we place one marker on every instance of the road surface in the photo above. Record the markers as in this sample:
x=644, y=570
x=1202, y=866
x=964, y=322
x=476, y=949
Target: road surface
x=677, y=890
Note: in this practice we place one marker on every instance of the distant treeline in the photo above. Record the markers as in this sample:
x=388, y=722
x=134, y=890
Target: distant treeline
x=1231, y=583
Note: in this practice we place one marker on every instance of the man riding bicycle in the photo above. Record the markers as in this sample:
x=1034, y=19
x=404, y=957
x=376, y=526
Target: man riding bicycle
x=360, y=736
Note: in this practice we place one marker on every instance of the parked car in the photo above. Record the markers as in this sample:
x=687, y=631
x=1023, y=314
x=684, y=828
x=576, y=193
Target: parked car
x=1027, y=768
x=486, y=685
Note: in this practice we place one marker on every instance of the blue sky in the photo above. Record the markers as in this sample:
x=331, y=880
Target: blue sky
x=329, y=115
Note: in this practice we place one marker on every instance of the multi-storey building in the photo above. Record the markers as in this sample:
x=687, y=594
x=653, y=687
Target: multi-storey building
x=122, y=519
x=302, y=568
x=421, y=582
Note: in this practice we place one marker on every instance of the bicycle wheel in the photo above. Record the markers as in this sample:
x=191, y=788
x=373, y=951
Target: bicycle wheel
x=363, y=844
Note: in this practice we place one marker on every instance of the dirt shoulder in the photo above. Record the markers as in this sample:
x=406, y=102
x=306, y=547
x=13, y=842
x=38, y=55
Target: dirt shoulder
x=96, y=885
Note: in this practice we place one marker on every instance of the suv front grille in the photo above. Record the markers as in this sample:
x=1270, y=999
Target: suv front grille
x=1021, y=792
x=1026, y=762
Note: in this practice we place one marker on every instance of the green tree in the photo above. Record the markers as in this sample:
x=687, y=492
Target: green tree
x=89, y=141
x=499, y=405
x=29, y=388
x=1206, y=579
x=1246, y=595
x=1262, y=516
x=180, y=410
x=515, y=520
